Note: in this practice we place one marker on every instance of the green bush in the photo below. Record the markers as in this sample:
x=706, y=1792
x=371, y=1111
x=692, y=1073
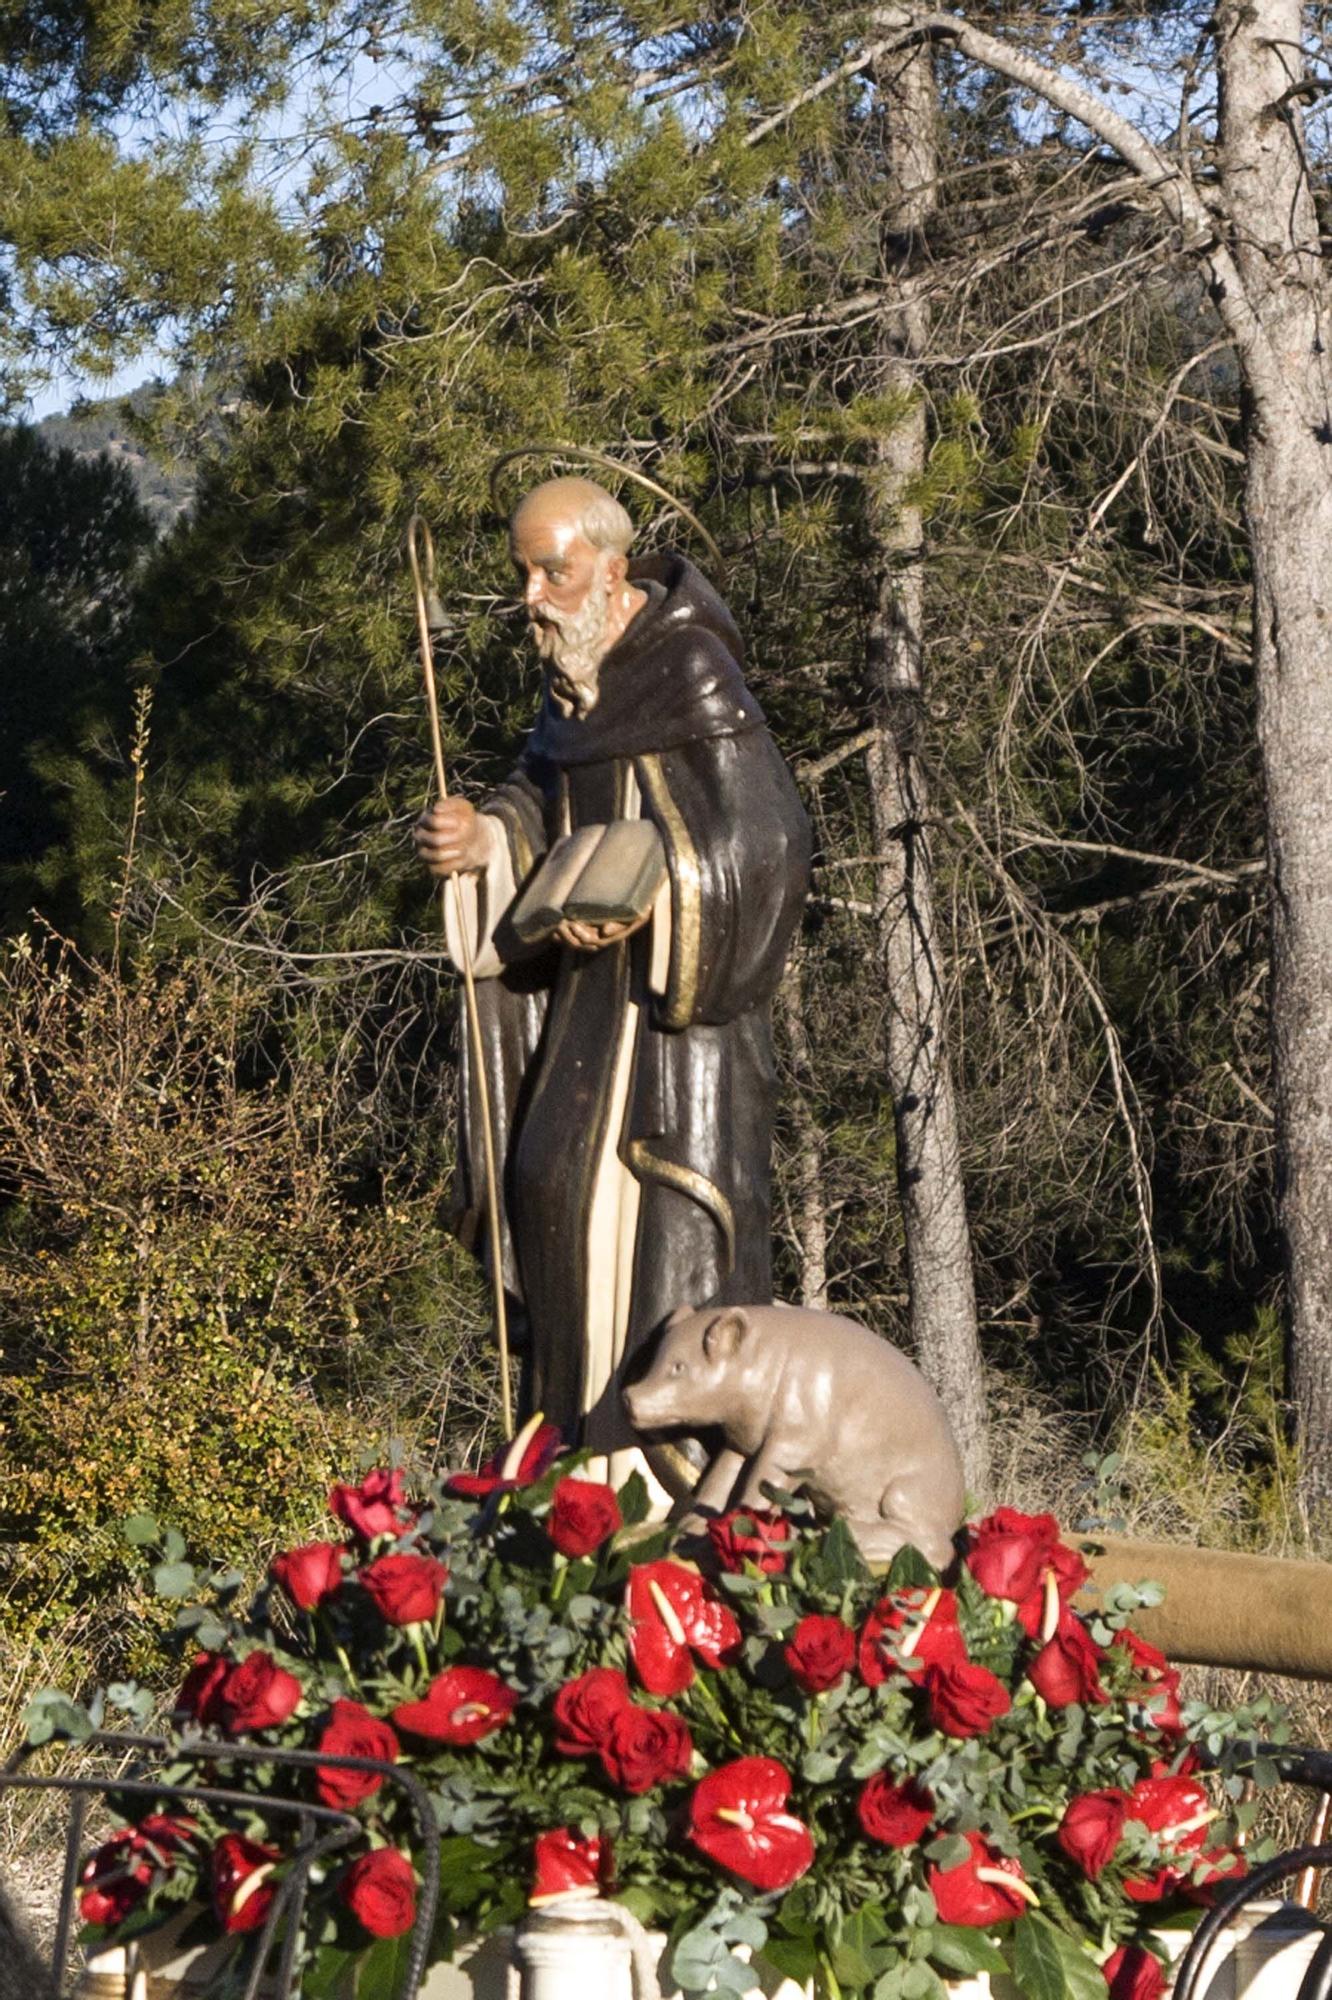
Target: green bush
x=191, y=1263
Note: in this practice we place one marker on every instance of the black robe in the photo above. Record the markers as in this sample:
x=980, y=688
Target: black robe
x=674, y=710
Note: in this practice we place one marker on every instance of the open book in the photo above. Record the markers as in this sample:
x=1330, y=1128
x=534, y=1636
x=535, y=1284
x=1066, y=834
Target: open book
x=595, y=875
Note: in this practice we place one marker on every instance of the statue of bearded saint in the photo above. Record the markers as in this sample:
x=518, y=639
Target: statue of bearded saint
x=630, y=1064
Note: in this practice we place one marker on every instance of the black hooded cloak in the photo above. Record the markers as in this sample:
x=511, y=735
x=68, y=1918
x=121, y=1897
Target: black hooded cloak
x=672, y=709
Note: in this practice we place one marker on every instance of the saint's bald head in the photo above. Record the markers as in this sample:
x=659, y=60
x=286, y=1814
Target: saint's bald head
x=570, y=541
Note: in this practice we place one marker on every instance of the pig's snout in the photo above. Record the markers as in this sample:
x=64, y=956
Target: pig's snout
x=650, y=1403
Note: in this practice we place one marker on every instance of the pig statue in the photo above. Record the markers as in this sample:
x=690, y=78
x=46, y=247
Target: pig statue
x=808, y=1399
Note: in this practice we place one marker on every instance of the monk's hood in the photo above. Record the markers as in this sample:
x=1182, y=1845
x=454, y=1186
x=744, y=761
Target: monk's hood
x=672, y=677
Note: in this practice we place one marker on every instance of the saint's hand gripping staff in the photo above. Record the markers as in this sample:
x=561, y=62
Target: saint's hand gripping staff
x=423, y=583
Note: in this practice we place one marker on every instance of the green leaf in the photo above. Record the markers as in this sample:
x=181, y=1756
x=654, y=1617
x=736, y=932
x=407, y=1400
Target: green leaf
x=51, y=1713
x=174, y=1579
x=1048, y=1965
x=173, y=1545
x=794, y=1957
x=323, y=1976
x=141, y=1530
x=633, y=1498
x=382, y=1968
x=949, y=1850
x=909, y=1569
x=959, y=1948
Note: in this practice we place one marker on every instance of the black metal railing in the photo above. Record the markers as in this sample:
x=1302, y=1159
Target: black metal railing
x=321, y=1831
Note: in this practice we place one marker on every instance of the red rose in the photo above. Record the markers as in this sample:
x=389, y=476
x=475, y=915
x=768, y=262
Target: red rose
x=242, y=1886
x=117, y=1876
x=531, y=1453
x=1010, y=1551
x=736, y=1816
x=896, y=1815
x=1090, y=1829
x=986, y=1888
x=1067, y=1668
x=462, y=1705
x=353, y=1732
x=675, y=1617
x=757, y=1535
x=585, y=1708
x=200, y=1689
x=309, y=1574
x=405, y=1590
x=1160, y=1679
x=964, y=1700
x=644, y=1747
x=567, y=1865
x=376, y=1507
x=380, y=1891
x=583, y=1515
x=258, y=1694
x=922, y=1629
x=819, y=1652
x=1132, y=1973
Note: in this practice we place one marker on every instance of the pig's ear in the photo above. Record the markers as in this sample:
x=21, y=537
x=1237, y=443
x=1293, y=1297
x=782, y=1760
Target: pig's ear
x=723, y=1335
x=677, y=1316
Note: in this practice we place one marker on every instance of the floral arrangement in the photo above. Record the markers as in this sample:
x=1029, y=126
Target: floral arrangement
x=876, y=1784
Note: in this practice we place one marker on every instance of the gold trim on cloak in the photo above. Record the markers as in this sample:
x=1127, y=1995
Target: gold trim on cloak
x=687, y=1181
x=677, y=1009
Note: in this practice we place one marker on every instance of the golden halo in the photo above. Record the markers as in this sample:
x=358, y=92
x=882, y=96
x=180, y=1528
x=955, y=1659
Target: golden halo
x=607, y=464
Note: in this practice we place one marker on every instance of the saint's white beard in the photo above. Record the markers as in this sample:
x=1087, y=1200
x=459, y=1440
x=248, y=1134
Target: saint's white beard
x=573, y=643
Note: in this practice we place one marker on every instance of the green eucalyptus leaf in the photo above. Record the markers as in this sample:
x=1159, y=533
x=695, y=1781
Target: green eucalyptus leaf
x=174, y=1579
x=141, y=1530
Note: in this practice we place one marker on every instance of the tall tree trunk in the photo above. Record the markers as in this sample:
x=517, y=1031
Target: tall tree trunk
x=811, y=1211
x=940, y=1281
x=1274, y=234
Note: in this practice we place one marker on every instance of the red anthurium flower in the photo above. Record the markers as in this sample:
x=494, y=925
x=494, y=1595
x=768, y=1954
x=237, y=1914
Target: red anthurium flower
x=965, y=1699
x=118, y=1875
x=750, y=1535
x=896, y=1815
x=309, y=1574
x=675, y=1618
x=584, y=1710
x=567, y=1865
x=1133, y=1973
x=1009, y=1552
x=376, y=1507
x=819, y=1652
x=380, y=1891
x=1091, y=1827
x=736, y=1816
x=644, y=1747
x=987, y=1888
x=584, y=1513
x=1020, y=1558
x=1160, y=1681
x=258, y=1694
x=1068, y=1666
x=243, y=1888
x=406, y=1589
x=461, y=1705
x=1177, y=1811
x=908, y=1632
x=534, y=1449
x=353, y=1732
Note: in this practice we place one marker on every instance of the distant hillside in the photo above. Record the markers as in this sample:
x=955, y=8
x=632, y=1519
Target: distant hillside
x=94, y=429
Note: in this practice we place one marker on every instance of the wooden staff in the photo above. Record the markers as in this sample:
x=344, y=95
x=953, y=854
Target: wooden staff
x=417, y=527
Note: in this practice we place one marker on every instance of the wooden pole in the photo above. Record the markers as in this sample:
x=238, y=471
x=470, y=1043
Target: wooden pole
x=417, y=527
